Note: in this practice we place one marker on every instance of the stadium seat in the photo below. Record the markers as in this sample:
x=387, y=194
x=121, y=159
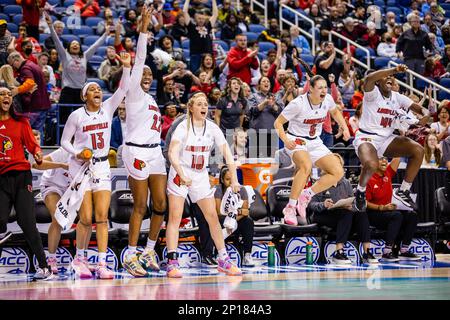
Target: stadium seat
x=380, y=3
x=101, y=51
x=258, y=211
x=277, y=198
x=257, y=28
x=90, y=40
x=185, y=44
x=361, y=54
x=266, y=46
x=309, y=59
x=4, y=17
x=217, y=34
x=12, y=9
x=17, y=19
x=93, y=21
x=251, y=36
x=68, y=3
x=100, y=82
x=54, y=2
x=82, y=31
x=421, y=84
x=7, y=2
x=398, y=12
x=43, y=37
x=106, y=96
x=13, y=28
x=445, y=6
x=445, y=82
x=442, y=95
x=381, y=62
x=391, y=3
x=70, y=37
x=223, y=44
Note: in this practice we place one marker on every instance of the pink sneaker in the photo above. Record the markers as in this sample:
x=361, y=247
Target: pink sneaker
x=228, y=267
x=80, y=268
x=90, y=267
x=302, y=203
x=102, y=271
x=173, y=269
x=290, y=215
x=53, y=265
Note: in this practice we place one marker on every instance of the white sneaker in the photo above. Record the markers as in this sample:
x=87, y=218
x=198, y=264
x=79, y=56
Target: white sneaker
x=248, y=260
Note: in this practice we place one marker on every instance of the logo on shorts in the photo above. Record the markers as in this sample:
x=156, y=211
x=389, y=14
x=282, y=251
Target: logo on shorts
x=177, y=180
x=300, y=142
x=139, y=164
x=5, y=144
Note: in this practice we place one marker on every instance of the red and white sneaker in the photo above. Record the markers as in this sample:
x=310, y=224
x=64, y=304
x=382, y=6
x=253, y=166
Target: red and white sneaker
x=102, y=271
x=290, y=215
x=302, y=203
x=80, y=268
x=52, y=264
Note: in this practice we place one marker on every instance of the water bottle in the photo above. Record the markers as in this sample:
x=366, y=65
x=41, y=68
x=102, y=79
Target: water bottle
x=309, y=254
x=271, y=254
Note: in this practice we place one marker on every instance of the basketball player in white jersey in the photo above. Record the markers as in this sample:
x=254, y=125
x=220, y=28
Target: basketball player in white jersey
x=91, y=127
x=306, y=115
x=189, y=153
x=143, y=159
x=381, y=108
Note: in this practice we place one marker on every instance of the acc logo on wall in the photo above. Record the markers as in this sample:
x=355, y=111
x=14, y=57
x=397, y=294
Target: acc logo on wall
x=422, y=248
x=111, y=258
x=63, y=258
x=260, y=254
x=376, y=248
x=295, y=252
x=14, y=261
x=349, y=249
x=233, y=253
x=187, y=255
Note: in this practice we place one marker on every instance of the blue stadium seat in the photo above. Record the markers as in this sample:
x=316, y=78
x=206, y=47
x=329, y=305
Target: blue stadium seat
x=7, y=2
x=17, y=19
x=251, y=36
x=261, y=56
x=218, y=34
x=43, y=37
x=160, y=33
x=380, y=3
x=4, y=17
x=89, y=40
x=223, y=44
x=421, y=84
x=12, y=9
x=68, y=3
x=83, y=31
x=442, y=95
x=110, y=41
x=106, y=96
x=70, y=37
x=391, y=3
x=397, y=11
x=54, y=2
x=257, y=28
x=309, y=59
x=84, y=47
x=185, y=44
x=101, y=51
x=176, y=44
x=266, y=46
x=445, y=82
x=12, y=27
x=93, y=21
x=96, y=58
x=114, y=13
x=445, y=6
x=100, y=82
x=447, y=13
x=381, y=62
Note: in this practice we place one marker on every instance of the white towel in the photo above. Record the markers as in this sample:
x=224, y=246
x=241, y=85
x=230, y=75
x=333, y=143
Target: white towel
x=69, y=204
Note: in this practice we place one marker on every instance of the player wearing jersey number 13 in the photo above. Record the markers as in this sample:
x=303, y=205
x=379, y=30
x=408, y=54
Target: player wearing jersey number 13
x=306, y=115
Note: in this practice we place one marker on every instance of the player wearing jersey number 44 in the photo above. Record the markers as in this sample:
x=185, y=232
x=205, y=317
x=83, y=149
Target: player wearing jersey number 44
x=189, y=151
x=90, y=126
x=382, y=109
x=306, y=115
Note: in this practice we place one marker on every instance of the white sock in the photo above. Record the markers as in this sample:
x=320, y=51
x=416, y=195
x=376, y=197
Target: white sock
x=131, y=250
x=52, y=255
x=292, y=202
x=405, y=186
x=223, y=254
x=150, y=244
x=101, y=257
x=80, y=253
x=225, y=233
x=362, y=189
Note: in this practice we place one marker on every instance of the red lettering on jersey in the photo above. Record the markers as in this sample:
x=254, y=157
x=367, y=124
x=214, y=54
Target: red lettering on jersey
x=386, y=122
x=387, y=111
x=314, y=121
x=153, y=108
x=197, y=148
x=97, y=126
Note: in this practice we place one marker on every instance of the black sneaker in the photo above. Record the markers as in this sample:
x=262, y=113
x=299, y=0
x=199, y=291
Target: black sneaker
x=5, y=236
x=339, y=257
x=389, y=257
x=409, y=256
x=369, y=258
x=405, y=198
x=359, y=204
x=209, y=262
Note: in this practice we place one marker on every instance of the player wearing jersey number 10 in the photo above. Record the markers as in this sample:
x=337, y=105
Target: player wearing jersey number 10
x=306, y=115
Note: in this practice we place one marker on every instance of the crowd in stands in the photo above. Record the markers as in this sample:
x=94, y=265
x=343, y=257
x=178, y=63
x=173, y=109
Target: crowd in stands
x=49, y=49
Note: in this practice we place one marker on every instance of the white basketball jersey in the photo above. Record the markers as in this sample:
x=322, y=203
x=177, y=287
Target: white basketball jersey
x=378, y=112
x=57, y=177
x=306, y=119
x=196, y=145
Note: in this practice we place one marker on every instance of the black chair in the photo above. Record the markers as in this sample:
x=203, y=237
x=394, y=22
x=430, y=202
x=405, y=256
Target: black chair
x=259, y=211
x=185, y=232
x=442, y=205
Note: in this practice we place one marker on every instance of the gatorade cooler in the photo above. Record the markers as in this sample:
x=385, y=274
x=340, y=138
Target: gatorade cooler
x=257, y=172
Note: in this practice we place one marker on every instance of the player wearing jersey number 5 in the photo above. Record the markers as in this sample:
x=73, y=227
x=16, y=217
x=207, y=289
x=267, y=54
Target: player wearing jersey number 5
x=306, y=115
x=90, y=126
x=382, y=109
x=189, y=152
x=143, y=158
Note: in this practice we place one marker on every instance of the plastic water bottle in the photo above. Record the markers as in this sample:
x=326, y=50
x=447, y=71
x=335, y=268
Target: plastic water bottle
x=271, y=254
x=309, y=254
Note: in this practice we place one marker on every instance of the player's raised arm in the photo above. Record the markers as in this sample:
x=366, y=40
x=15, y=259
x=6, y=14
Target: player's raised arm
x=372, y=78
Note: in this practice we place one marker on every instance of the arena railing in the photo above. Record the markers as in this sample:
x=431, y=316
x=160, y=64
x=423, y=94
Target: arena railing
x=410, y=86
x=298, y=16
x=348, y=44
x=262, y=5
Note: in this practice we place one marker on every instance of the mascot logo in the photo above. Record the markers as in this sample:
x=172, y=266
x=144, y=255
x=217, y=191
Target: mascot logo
x=139, y=164
x=5, y=144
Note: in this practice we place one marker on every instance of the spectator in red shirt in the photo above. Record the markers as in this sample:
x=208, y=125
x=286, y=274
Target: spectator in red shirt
x=399, y=226
x=125, y=44
x=32, y=11
x=27, y=51
x=88, y=8
x=16, y=185
x=241, y=60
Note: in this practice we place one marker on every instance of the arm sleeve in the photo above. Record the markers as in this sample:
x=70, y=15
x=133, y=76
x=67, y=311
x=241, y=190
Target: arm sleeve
x=91, y=51
x=68, y=132
x=113, y=103
x=29, y=140
x=58, y=45
x=138, y=68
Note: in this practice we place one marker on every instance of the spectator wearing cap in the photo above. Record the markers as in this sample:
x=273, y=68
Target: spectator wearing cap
x=109, y=67
x=58, y=26
x=230, y=28
x=167, y=17
x=225, y=10
x=241, y=60
x=411, y=44
x=272, y=33
x=31, y=12
x=32, y=90
x=88, y=8
x=199, y=34
x=170, y=114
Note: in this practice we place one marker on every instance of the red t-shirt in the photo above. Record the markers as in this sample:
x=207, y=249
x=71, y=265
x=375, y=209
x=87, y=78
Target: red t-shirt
x=379, y=188
x=14, y=137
